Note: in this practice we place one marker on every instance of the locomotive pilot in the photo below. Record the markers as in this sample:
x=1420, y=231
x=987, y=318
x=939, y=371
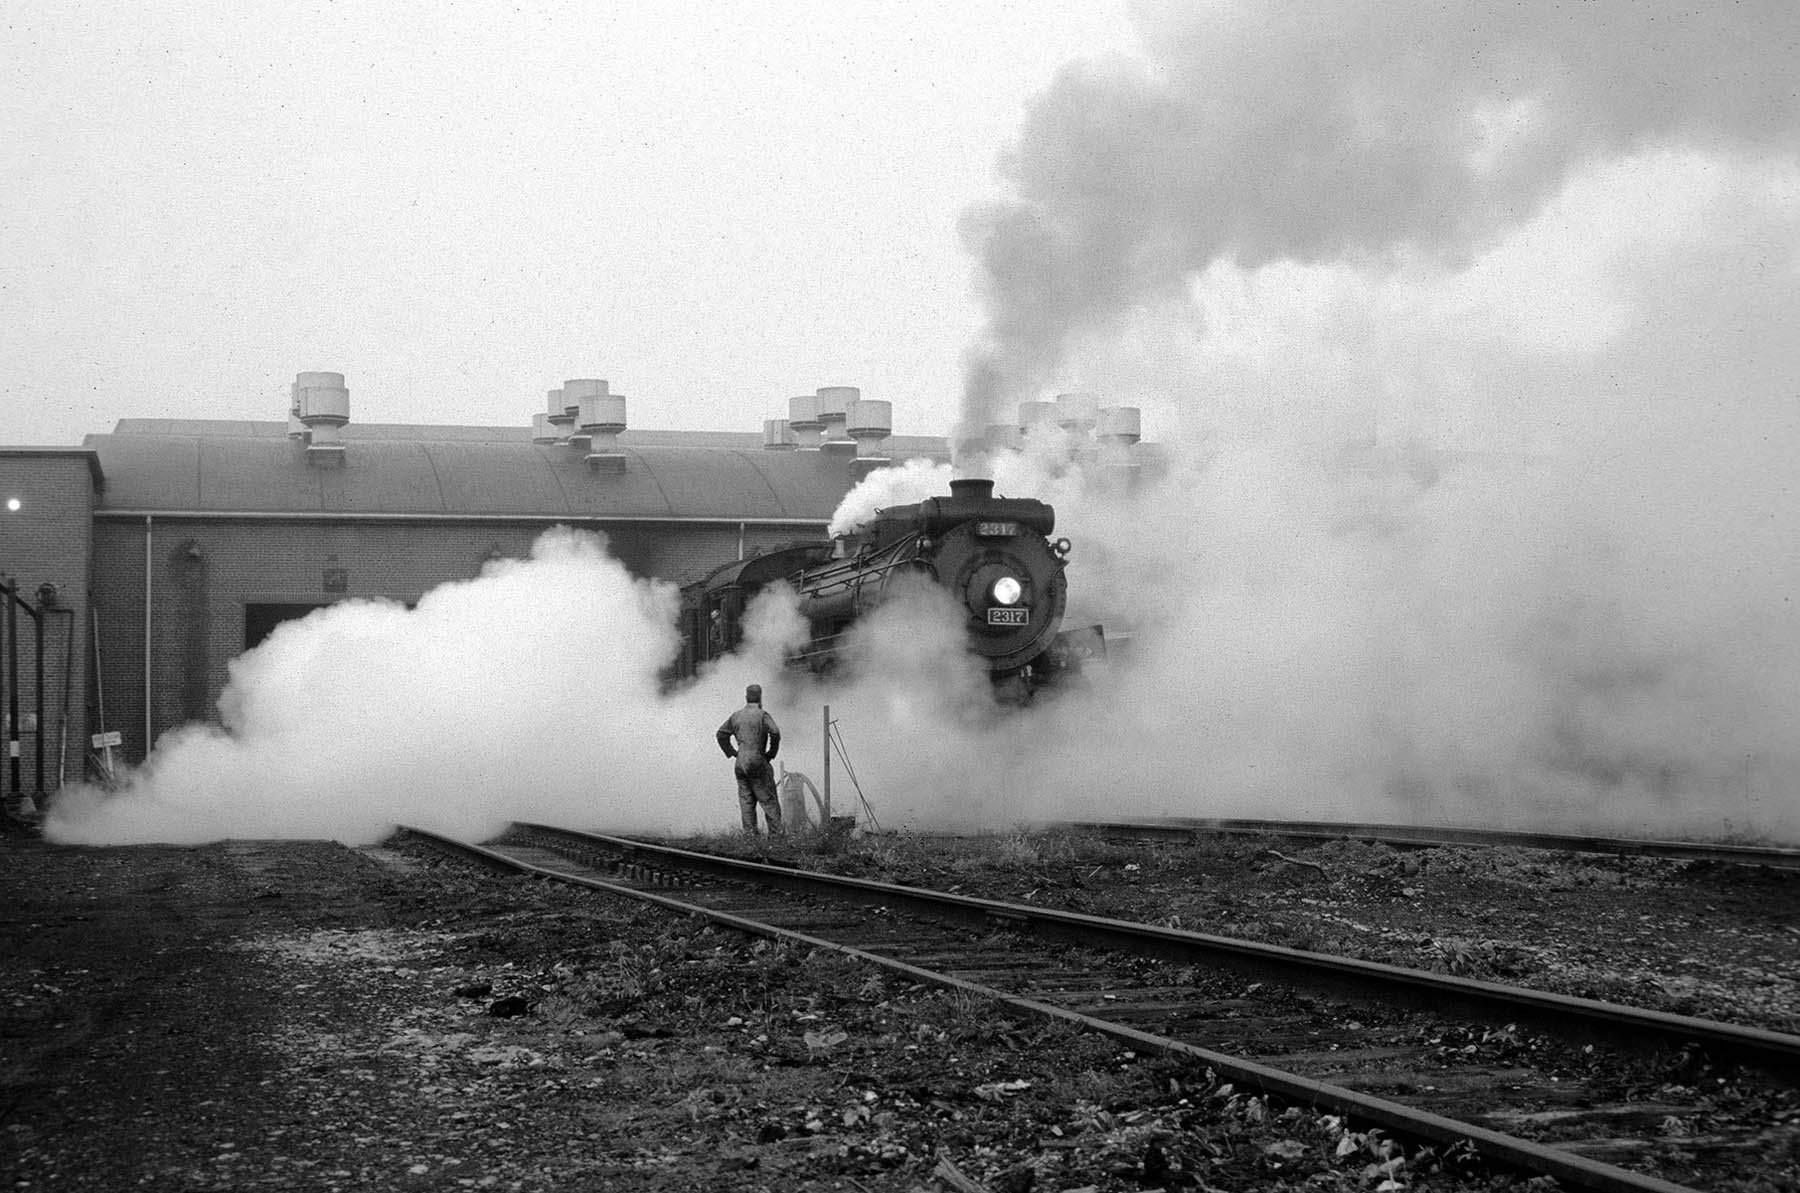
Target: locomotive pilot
x=758, y=739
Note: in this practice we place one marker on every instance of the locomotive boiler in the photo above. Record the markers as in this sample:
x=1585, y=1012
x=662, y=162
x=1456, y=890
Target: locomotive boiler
x=992, y=555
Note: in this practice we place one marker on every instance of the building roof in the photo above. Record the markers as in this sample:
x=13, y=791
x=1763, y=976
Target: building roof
x=220, y=468
x=58, y=453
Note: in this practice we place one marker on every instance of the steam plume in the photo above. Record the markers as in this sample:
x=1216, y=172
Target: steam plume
x=1263, y=132
x=1469, y=324
x=530, y=690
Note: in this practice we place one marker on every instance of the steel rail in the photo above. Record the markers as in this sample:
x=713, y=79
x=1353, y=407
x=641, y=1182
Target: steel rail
x=1188, y=827
x=1507, y=1150
x=1560, y=1014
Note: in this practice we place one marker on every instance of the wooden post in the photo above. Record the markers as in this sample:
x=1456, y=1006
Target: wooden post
x=826, y=792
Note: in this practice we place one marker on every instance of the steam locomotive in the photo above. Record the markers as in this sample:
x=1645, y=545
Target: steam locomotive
x=993, y=555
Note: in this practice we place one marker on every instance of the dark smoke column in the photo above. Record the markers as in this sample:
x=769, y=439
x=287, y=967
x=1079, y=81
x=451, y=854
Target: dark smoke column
x=1312, y=133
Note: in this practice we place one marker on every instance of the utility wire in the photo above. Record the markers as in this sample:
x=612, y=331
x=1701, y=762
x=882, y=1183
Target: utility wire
x=837, y=740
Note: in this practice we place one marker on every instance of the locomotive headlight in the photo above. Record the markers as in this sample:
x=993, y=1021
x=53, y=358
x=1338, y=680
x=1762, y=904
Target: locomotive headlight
x=1007, y=591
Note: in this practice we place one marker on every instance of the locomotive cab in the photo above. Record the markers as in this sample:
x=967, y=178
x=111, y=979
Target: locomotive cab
x=712, y=609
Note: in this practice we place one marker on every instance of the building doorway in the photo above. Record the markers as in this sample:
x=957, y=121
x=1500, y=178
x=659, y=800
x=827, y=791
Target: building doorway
x=260, y=620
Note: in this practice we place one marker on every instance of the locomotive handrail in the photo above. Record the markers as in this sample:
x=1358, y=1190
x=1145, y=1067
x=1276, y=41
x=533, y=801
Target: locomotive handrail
x=857, y=565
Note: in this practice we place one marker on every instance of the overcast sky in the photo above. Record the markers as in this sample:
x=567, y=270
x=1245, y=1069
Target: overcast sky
x=713, y=205
x=1461, y=226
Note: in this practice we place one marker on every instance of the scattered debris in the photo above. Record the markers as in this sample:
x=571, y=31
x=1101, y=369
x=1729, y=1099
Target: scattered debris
x=509, y=1006
x=1295, y=861
x=953, y=1178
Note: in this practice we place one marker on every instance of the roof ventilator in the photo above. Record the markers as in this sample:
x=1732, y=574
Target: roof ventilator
x=869, y=425
x=1118, y=428
x=835, y=402
x=601, y=419
x=578, y=401
x=1002, y=437
x=1078, y=414
x=322, y=405
x=803, y=419
x=543, y=431
x=296, y=428
x=561, y=421
x=778, y=435
x=1036, y=417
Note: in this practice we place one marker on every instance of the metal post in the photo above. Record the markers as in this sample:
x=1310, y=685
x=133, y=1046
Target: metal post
x=12, y=685
x=37, y=615
x=149, y=645
x=106, y=757
x=62, y=729
x=9, y=589
x=6, y=684
x=826, y=790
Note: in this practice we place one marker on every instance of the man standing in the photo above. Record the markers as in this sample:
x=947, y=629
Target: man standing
x=758, y=740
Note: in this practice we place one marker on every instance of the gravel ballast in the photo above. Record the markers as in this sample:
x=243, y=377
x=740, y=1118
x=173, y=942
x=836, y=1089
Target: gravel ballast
x=303, y=1015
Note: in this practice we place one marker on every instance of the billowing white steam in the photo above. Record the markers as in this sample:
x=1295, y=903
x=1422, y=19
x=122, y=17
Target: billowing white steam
x=1255, y=133
x=529, y=691
x=1395, y=635
x=912, y=481
x=1474, y=330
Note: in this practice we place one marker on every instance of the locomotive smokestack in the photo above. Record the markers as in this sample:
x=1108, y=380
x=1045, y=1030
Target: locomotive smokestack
x=976, y=488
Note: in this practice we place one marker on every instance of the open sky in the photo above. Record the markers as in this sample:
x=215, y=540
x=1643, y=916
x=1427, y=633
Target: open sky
x=459, y=204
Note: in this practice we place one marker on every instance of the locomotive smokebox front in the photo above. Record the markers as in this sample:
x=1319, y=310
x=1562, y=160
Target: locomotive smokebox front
x=1010, y=581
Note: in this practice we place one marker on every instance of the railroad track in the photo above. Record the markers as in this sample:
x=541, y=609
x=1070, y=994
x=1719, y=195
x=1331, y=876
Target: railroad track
x=1263, y=1017
x=1421, y=836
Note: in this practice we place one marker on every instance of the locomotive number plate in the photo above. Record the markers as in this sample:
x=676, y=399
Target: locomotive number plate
x=996, y=530
x=1009, y=617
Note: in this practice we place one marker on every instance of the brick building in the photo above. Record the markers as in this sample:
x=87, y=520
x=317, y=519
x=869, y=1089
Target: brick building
x=149, y=557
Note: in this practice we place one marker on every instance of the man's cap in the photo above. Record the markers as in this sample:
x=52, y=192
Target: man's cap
x=753, y=694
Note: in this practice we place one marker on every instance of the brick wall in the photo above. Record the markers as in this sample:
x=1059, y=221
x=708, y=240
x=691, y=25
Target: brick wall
x=203, y=572
x=48, y=539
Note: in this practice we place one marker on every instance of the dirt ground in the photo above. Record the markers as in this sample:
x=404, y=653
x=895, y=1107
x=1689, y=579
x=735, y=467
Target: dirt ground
x=302, y=1015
